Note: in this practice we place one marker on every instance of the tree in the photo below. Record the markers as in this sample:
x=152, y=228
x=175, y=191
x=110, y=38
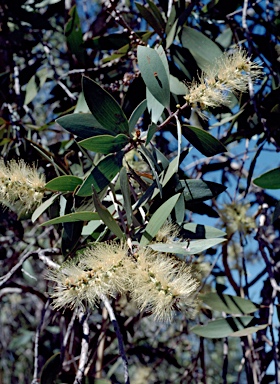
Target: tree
x=135, y=204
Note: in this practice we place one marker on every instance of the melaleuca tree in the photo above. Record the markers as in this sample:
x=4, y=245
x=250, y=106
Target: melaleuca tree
x=119, y=121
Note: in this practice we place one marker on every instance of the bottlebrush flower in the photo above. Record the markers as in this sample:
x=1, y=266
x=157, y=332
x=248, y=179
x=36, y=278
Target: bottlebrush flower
x=167, y=232
x=232, y=73
x=21, y=185
x=162, y=285
x=236, y=218
x=99, y=271
x=155, y=282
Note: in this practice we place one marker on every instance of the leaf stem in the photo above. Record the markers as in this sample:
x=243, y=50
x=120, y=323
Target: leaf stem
x=172, y=116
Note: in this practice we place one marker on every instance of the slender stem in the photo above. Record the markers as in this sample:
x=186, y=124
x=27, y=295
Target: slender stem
x=202, y=361
x=84, y=348
x=101, y=345
x=67, y=334
x=36, y=344
x=39, y=252
x=119, y=336
x=172, y=116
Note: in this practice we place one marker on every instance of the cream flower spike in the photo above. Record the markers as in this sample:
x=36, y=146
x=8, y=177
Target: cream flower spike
x=231, y=73
x=163, y=285
x=101, y=270
x=21, y=186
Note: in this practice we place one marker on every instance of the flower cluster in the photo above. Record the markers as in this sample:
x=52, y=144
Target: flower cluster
x=161, y=285
x=99, y=271
x=232, y=73
x=236, y=219
x=156, y=283
x=20, y=185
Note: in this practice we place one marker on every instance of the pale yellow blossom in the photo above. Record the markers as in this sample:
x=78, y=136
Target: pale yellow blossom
x=161, y=285
x=21, y=186
x=231, y=73
x=99, y=271
x=155, y=282
x=236, y=218
x=167, y=232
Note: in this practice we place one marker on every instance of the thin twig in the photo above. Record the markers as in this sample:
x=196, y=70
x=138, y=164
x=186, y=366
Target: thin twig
x=202, y=361
x=228, y=270
x=47, y=261
x=101, y=345
x=173, y=115
x=84, y=348
x=36, y=344
x=39, y=252
x=67, y=334
x=8, y=275
x=9, y=290
x=119, y=336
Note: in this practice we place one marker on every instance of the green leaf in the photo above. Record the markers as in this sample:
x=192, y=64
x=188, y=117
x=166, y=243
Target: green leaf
x=145, y=36
x=161, y=159
x=102, y=174
x=154, y=74
x=41, y=209
x=171, y=33
x=205, y=143
x=248, y=330
x=157, y=14
x=177, y=87
x=179, y=135
x=64, y=183
x=229, y=117
x=83, y=125
x=106, y=217
x=200, y=231
x=171, y=170
x=204, y=50
x=152, y=161
x=74, y=35
x=151, y=17
x=126, y=195
x=201, y=209
x=51, y=369
x=108, y=42
x=136, y=114
x=200, y=190
x=91, y=227
x=221, y=328
x=180, y=57
x=192, y=247
x=155, y=108
x=73, y=217
x=228, y=303
x=81, y=106
x=104, y=108
x=71, y=234
x=35, y=84
x=158, y=219
x=151, y=131
x=105, y=143
x=161, y=52
x=269, y=180
x=180, y=210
